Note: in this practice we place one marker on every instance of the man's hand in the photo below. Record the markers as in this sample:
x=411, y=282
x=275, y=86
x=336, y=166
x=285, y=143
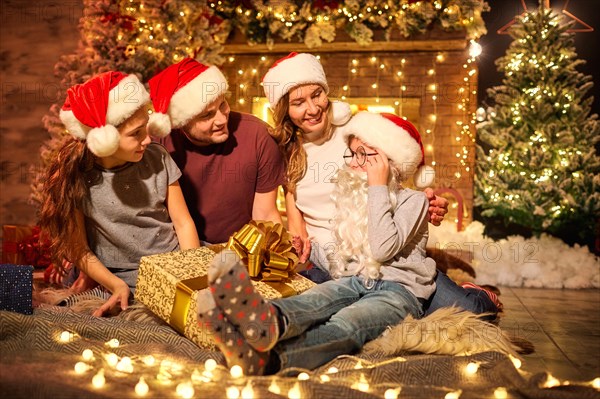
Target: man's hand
x=438, y=207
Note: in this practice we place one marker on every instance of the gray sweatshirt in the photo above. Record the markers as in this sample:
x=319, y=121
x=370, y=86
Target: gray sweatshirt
x=397, y=238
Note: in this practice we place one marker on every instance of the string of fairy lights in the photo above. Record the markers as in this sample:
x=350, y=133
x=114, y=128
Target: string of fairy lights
x=155, y=373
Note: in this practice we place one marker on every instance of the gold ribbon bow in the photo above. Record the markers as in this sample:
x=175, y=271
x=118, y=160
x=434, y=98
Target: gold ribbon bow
x=266, y=248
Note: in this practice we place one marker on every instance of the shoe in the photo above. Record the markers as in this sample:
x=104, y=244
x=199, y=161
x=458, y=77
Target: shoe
x=493, y=297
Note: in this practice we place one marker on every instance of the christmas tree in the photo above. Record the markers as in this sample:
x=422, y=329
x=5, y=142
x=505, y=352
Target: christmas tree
x=537, y=165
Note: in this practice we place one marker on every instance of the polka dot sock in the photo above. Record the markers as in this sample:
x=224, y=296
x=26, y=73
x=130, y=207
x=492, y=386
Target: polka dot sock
x=243, y=306
x=228, y=339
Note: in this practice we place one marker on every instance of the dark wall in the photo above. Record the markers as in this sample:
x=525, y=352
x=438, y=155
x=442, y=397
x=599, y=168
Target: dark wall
x=495, y=45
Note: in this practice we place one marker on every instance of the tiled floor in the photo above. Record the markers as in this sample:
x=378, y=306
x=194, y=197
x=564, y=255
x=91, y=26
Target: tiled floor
x=564, y=326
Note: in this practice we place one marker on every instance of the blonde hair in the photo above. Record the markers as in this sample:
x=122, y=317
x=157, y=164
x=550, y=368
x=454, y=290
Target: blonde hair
x=350, y=223
x=290, y=141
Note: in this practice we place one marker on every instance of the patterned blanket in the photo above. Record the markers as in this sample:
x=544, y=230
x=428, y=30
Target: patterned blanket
x=41, y=357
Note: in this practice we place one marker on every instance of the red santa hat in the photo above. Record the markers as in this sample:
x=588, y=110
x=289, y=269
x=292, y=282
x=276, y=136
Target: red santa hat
x=300, y=69
x=93, y=109
x=182, y=91
x=398, y=139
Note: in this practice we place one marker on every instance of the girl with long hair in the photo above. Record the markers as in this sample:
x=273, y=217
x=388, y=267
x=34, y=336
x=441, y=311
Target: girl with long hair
x=110, y=195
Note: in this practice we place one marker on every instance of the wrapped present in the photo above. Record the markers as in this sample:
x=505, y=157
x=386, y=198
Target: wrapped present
x=168, y=284
x=22, y=245
x=16, y=288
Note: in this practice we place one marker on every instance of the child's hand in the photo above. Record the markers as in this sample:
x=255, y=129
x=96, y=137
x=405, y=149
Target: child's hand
x=83, y=283
x=120, y=296
x=378, y=169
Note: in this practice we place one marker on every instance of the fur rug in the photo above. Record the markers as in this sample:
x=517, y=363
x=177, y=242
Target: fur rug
x=447, y=331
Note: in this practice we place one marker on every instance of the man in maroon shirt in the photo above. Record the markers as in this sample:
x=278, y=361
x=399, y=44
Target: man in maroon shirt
x=231, y=166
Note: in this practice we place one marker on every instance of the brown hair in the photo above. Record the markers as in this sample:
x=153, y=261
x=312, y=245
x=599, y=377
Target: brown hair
x=63, y=193
x=290, y=141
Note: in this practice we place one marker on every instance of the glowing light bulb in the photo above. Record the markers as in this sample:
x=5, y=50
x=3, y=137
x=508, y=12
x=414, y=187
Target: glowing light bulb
x=210, y=365
x=112, y=359
x=149, y=360
x=232, y=393
x=475, y=49
x=551, y=382
x=303, y=376
x=236, y=371
x=185, y=390
x=472, y=368
x=596, y=382
x=248, y=392
x=332, y=370
x=294, y=392
x=125, y=365
x=113, y=343
x=500, y=393
x=392, y=393
x=81, y=367
x=453, y=394
x=87, y=355
x=141, y=388
x=515, y=360
x=324, y=378
x=98, y=380
x=362, y=384
x=65, y=336
x=274, y=388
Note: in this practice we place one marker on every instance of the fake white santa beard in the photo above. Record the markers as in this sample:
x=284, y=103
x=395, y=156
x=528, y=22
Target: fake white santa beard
x=350, y=225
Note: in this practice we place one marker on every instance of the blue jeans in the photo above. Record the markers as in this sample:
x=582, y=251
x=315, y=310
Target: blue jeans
x=338, y=317
x=448, y=293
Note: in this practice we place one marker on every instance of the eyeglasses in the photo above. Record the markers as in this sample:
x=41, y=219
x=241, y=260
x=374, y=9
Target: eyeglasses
x=361, y=155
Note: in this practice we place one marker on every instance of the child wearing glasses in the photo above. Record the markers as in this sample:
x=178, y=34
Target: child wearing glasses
x=382, y=274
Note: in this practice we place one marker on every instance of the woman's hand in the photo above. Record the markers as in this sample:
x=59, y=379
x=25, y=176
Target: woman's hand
x=120, y=297
x=302, y=247
x=378, y=169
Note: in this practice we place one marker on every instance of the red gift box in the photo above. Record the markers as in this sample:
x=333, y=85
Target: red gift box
x=21, y=245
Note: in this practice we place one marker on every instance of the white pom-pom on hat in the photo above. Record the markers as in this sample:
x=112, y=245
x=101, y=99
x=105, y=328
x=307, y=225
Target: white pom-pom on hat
x=103, y=141
x=424, y=176
x=341, y=113
x=159, y=125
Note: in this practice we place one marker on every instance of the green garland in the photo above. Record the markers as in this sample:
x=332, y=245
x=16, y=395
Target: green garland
x=312, y=22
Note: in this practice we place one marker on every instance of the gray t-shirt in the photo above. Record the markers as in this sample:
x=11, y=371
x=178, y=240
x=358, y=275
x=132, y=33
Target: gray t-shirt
x=126, y=215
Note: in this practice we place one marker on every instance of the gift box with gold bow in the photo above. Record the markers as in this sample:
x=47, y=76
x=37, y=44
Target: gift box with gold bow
x=168, y=284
